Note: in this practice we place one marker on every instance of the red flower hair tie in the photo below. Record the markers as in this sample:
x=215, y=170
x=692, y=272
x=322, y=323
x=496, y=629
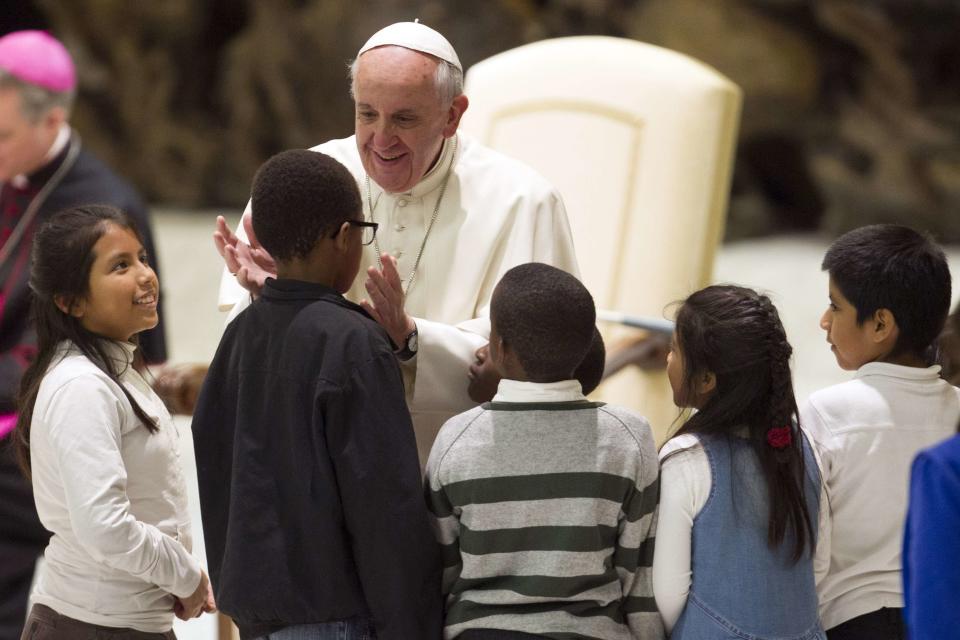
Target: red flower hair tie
x=780, y=437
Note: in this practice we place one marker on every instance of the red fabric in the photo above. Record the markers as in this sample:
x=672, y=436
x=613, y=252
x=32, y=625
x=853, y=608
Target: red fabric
x=780, y=437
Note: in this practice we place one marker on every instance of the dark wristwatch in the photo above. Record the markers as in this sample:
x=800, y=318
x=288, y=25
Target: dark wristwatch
x=409, y=348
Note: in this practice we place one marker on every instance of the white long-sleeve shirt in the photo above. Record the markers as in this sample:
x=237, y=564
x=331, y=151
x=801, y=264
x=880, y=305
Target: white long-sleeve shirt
x=866, y=433
x=685, y=484
x=496, y=213
x=113, y=495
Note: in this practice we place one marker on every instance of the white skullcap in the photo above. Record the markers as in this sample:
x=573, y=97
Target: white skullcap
x=416, y=36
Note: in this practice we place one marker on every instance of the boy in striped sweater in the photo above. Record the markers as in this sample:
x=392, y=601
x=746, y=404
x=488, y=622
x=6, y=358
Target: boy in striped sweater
x=545, y=503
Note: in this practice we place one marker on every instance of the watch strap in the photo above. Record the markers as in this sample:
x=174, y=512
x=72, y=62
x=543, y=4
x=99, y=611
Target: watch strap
x=409, y=347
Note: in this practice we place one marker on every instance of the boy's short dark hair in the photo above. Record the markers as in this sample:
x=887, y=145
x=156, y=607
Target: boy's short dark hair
x=590, y=370
x=888, y=266
x=547, y=317
x=297, y=197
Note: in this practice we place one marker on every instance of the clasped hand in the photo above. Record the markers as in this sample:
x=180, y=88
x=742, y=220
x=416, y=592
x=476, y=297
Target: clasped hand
x=200, y=601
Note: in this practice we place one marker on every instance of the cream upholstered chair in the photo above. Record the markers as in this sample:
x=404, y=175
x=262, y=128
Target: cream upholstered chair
x=639, y=140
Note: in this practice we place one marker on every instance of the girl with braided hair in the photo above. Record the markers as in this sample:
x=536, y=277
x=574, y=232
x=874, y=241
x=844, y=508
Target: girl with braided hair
x=740, y=489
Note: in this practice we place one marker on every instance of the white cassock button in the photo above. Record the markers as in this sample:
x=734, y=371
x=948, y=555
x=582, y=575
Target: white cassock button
x=399, y=255
x=399, y=227
x=401, y=202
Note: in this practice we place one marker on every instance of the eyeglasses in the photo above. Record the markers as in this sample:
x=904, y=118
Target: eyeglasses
x=368, y=230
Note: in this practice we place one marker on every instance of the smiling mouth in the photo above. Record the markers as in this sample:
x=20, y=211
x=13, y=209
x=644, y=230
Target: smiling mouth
x=388, y=159
x=148, y=299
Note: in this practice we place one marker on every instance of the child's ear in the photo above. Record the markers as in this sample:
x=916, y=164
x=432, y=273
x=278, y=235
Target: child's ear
x=884, y=325
x=75, y=308
x=342, y=239
x=500, y=346
x=505, y=361
x=706, y=384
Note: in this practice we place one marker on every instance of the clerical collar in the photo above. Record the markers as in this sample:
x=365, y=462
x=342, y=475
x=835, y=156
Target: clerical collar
x=430, y=182
x=59, y=144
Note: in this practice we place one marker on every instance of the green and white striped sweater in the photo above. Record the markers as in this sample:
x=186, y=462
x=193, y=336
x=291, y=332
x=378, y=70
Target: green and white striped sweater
x=547, y=514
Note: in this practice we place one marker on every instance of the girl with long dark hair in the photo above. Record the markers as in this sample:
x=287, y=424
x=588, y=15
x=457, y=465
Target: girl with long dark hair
x=98, y=444
x=740, y=489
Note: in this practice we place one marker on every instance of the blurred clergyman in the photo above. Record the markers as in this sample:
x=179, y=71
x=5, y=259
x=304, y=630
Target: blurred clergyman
x=453, y=214
x=43, y=169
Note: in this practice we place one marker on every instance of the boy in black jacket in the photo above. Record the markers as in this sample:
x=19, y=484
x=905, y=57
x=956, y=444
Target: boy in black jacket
x=309, y=480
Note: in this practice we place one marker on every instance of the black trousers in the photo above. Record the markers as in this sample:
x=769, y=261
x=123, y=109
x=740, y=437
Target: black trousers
x=22, y=541
x=882, y=624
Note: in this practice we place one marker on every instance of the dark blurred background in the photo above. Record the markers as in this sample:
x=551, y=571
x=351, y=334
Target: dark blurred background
x=851, y=111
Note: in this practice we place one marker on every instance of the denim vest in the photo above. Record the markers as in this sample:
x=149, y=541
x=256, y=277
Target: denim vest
x=743, y=589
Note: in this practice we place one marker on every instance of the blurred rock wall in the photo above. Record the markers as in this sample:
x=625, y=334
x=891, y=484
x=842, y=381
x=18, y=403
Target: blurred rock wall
x=851, y=114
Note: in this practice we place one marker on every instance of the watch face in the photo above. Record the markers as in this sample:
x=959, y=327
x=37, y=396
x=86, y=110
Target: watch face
x=413, y=343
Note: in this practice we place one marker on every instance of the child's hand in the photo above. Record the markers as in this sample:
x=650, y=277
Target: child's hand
x=200, y=601
x=209, y=605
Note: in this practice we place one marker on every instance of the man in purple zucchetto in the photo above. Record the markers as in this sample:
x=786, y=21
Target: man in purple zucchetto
x=43, y=169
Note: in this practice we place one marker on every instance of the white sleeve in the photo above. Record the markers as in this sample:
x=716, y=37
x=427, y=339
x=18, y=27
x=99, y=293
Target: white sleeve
x=819, y=436
x=85, y=420
x=445, y=351
x=821, y=558
x=230, y=292
x=444, y=354
x=684, y=488
x=552, y=239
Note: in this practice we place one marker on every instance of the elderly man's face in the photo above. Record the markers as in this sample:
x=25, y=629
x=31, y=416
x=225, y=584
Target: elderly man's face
x=400, y=120
x=23, y=143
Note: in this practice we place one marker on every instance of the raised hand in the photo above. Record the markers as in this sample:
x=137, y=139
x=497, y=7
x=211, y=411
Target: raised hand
x=224, y=237
x=248, y=261
x=386, y=300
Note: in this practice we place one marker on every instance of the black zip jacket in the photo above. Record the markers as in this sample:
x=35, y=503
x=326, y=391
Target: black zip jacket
x=309, y=480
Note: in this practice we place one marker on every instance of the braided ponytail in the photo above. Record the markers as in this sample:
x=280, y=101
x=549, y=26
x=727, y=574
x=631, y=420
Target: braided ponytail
x=736, y=334
x=781, y=455
x=783, y=406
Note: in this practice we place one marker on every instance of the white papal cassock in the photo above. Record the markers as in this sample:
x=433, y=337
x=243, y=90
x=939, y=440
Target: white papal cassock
x=496, y=213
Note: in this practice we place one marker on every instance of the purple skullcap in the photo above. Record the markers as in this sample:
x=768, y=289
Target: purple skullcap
x=37, y=58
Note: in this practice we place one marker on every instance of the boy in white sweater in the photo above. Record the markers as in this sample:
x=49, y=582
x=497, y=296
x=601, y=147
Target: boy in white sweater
x=889, y=298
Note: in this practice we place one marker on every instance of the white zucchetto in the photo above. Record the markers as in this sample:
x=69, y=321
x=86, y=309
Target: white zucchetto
x=416, y=36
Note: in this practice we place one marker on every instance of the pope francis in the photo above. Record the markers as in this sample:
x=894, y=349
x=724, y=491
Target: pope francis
x=453, y=214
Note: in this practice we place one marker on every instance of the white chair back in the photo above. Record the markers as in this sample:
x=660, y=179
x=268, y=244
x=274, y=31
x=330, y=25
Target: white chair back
x=639, y=140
